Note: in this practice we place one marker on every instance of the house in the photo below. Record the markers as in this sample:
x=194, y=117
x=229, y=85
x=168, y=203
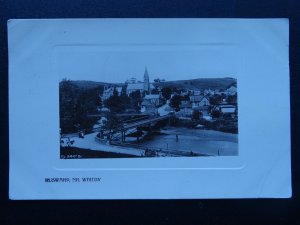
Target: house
x=132, y=87
x=147, y=107
x=199, y=101
x=151, y=102
x=209, y=92
x=184, y=92
x=185, y=104
x=232, y=90
x=108, y=92
x=217, y=92
x=225, y=109
x=196, y=92
x=185, y=109
x=185, y=113
x=155, y=100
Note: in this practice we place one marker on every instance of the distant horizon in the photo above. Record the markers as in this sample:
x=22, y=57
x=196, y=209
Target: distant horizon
x=150, y=81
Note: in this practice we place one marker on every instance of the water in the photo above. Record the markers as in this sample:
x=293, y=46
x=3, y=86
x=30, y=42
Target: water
x=202, y=141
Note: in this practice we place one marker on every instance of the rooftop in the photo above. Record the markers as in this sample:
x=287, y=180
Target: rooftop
x=135, y=86
x=197, y=98
x=138, y=86
x=151, y=97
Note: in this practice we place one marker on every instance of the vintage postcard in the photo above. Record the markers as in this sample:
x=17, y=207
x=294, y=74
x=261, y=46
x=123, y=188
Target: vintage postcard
x=149, y=104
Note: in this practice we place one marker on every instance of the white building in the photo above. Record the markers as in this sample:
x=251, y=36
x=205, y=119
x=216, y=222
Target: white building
x=151, y=103
x=199, y=101
x=231, y=90
x=195, y=92
x=153, y=99
x=226, y=109
x=134, y=87
x=108, y=92
x=185, y=109
x=209, y=92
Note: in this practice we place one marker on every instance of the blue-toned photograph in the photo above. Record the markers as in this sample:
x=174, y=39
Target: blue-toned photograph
x=148, y=115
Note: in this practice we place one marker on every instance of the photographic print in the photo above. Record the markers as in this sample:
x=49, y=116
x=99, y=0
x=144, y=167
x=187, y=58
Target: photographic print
x=139, y=113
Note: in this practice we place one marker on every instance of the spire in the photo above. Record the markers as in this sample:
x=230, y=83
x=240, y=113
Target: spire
x=146, y=81
x=146, y=71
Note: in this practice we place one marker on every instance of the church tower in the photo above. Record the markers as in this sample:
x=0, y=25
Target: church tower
x=146, y=81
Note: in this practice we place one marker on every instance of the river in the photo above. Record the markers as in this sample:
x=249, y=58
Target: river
x=197, y=140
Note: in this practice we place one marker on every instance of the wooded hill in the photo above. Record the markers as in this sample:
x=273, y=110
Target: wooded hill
x=193, y=84
x=200, y=84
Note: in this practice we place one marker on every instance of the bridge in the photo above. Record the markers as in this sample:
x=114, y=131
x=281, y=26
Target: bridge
x=118, y=114
x=146, y=122
x=135, y=123
x=152, y=151
x=140, y=123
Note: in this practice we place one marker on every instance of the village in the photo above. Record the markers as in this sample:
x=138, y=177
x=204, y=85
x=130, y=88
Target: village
x=163, y=118
x=158, y=99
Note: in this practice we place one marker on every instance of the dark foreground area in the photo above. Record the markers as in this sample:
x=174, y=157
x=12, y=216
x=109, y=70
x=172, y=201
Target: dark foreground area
x=80, y=153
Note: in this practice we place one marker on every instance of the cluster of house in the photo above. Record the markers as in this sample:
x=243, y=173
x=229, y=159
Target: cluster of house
x=200, y=101
x=191, y=100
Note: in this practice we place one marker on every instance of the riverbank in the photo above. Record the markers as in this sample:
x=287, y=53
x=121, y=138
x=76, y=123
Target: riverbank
x=89, y=142
x=168, y=139
x=81, y=153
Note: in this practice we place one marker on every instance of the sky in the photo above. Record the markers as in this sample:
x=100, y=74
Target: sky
x=117, y=64
x=116, y=50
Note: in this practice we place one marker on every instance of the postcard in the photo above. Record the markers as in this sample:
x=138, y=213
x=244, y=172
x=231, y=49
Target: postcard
x=149, y=108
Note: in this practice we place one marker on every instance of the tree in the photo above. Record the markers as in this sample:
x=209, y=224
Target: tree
x=112, y=122
x=223, y=96
x=215, y=99
x=135, y=99
x=75, y=105
x=155, y=92
x=115, y=92
x=125, y=101
x=114, y=103
x=166, y=92
x=232, y=99
x=92, y=99
x=68, y=93
x=175, y=102
x=185, y=97
x=216, y=114
x=176, y=90
x=196, y=115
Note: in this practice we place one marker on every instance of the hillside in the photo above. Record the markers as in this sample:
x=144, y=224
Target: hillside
x=85, y=84
x=196, y=84
x=200, y=84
